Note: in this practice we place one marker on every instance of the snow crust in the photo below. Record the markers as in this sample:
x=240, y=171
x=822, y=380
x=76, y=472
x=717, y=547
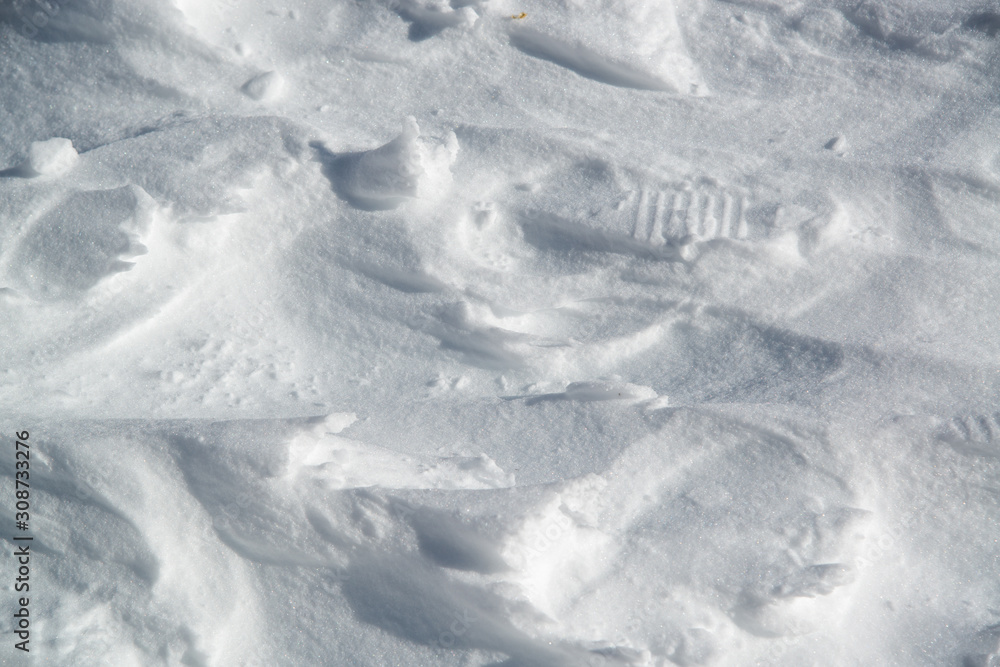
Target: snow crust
x=568, y=333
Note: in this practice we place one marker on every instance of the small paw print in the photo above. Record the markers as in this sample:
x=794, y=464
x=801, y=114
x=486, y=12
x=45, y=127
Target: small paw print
x=484, y=213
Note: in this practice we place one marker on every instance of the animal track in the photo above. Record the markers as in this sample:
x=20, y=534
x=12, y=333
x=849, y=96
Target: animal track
x=484, y=214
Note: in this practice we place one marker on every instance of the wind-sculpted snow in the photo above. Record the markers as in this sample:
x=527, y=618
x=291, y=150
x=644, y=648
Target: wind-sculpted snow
x=79, y=241
x=449, y=562
x=584, y=62
x=482, y=333
x=428, y=19
x=626, y=44
x=384, y=177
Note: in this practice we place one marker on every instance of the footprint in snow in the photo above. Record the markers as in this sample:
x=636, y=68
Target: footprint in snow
x=672, y=223
x=976, y=434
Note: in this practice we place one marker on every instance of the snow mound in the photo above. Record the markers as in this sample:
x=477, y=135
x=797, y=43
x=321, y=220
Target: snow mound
x=264, y=87
x=406, y=167
x=429, y=18
x=54, y=157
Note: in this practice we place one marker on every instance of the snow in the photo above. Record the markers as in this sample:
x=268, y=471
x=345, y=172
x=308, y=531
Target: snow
x=54, y=157
x=475, y=333
x=384, y=177
x=263, y=87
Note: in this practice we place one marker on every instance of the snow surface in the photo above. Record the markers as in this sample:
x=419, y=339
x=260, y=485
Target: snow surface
x=576, y=332
x=54, y=157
